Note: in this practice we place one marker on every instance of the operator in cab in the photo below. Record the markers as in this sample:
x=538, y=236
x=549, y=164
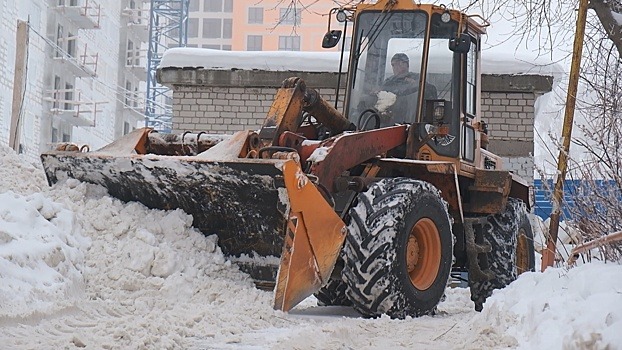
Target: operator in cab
x=405, y=85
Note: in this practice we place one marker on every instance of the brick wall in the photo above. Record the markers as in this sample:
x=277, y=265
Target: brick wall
x=224, y=102
x=222, y=110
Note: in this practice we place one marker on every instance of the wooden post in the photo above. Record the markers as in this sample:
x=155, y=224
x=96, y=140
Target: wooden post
x=19, y=83
x=548, y=254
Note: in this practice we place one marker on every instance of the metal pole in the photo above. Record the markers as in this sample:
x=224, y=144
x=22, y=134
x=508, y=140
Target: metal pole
x=343, y=48
x=548, y=255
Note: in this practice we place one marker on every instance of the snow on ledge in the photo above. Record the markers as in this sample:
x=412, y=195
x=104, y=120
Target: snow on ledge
x=494, y=61
x=278, y=61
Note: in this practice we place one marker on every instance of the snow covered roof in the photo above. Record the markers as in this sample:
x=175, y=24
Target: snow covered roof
x=493, y=62
x=278, y=61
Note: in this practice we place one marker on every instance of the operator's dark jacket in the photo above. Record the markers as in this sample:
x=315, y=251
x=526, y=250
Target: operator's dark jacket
x=403, y=109
x=398, y=85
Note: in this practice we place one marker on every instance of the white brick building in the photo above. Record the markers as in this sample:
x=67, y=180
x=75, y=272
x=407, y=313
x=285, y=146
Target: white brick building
x=86, y=70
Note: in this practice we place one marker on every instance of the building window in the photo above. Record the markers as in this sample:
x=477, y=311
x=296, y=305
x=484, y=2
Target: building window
x=54, y=135
x=289, y=43
x=66, y=137
x=71, y=45
x=128, y=94
x=226, y=28
x=254, y=42
x=194, y=5
x=226, y=47
x=212, y=6
x=68, y=97
x=228, y=6
x=211, y=46
x=57, y=94
x=133, y=58
x=59, y=40
x=290, y=16
x=193, y=28
x=126, y=128
x=255, y=15
x=212, y=28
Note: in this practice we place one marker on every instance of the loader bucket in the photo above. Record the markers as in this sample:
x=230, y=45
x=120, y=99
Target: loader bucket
x=266, y=212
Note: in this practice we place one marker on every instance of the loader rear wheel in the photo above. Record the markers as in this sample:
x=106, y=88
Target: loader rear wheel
x=399, y=249
x=525, y=252
x=511, y=241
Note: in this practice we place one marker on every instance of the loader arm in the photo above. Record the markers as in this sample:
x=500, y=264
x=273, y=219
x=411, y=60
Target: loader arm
x=285, y=114
x=350, y=149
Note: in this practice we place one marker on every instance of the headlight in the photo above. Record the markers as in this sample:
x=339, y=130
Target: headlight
x=341, y=16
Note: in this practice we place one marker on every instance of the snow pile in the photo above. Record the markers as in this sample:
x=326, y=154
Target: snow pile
x=580, y=308
x=19, y=176
x=81, y=269
x=41, y=259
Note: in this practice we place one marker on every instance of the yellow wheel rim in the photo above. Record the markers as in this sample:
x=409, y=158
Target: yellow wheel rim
x=423, y=254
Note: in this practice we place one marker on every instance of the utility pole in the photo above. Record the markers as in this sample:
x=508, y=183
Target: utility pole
x=19, y=80
x=548, y=254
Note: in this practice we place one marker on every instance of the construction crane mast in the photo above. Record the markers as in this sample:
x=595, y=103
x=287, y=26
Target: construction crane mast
x=168, y=27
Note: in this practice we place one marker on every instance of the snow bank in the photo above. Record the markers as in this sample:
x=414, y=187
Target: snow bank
x=18, y=175
x=580, y=308
x=41, y=259
x=81, y=269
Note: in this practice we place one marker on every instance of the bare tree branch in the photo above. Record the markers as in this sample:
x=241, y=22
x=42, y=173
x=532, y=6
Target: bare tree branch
x=604, y=10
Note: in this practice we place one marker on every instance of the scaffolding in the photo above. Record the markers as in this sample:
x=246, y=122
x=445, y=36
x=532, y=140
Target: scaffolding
x=168, y=27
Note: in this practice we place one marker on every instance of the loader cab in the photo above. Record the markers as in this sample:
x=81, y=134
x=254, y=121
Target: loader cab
x=433, y=93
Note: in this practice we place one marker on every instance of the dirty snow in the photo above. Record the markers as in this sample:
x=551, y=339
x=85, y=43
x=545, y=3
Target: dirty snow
x=81, y=269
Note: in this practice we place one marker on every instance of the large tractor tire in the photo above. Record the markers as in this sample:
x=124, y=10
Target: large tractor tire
x=333, y=294
x=525, y=251
x=399, y=249
x=511, y=239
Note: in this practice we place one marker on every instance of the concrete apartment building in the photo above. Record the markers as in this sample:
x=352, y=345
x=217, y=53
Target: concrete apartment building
x=249, y=25
x=85, y=70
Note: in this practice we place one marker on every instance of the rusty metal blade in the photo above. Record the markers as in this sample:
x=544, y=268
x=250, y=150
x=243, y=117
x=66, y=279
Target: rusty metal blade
x=315, y=234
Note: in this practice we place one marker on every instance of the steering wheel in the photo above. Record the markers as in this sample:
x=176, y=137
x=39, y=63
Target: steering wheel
x=366, y=116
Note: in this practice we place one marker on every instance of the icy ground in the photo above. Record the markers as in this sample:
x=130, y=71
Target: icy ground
x=79, y=269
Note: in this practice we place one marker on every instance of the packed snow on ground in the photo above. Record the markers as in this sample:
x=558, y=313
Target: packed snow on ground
x=79, y=269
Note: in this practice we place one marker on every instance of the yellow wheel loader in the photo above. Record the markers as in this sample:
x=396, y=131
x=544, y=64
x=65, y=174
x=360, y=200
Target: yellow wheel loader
x=372, y=207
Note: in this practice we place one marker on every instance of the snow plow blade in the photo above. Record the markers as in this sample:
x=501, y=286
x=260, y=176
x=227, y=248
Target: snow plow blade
x=260, y=209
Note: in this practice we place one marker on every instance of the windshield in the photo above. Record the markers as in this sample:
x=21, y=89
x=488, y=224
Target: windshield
x=387, y=79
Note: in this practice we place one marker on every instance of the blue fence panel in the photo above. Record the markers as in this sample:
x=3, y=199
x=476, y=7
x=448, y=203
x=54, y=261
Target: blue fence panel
x=543, y=193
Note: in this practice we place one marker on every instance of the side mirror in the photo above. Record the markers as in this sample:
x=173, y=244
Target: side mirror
x=460, y=44
x=331, y=39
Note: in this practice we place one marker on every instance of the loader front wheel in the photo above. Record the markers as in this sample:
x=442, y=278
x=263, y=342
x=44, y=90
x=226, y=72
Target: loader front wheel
x=333, y=294
x=399, y=249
